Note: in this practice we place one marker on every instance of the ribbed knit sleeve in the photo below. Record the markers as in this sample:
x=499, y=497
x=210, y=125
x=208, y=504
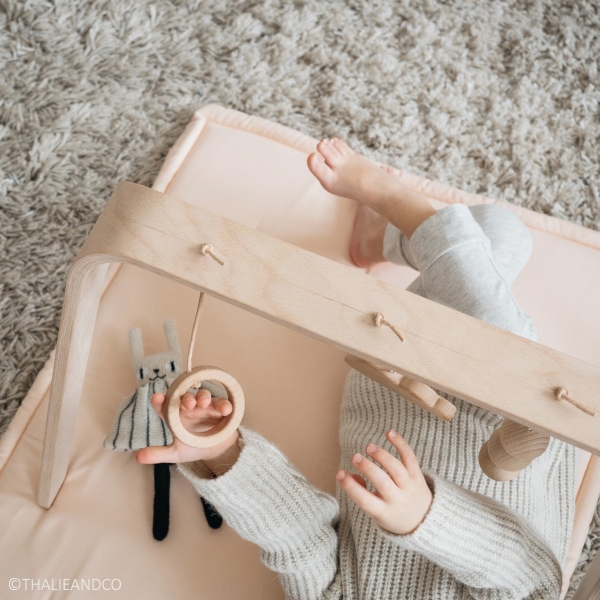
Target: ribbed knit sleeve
x=484, y=544
x=268, y=502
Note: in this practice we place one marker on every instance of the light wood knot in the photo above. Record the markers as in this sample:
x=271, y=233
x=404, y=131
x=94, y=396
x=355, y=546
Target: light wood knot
x=379, y=320
x=207, y=250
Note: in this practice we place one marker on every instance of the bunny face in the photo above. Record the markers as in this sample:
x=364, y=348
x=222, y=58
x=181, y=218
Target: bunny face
x=156, y=369
x=157, y=366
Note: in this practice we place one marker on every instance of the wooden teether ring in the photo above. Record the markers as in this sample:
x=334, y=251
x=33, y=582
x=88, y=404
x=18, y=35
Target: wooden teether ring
x=193, y=379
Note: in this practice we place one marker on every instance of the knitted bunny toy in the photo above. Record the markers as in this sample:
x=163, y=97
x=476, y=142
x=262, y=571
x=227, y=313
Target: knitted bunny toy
x=136, y=424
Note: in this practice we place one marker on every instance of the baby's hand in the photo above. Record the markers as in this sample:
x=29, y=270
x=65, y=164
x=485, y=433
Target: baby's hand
x=402, y=498
x=198, y=413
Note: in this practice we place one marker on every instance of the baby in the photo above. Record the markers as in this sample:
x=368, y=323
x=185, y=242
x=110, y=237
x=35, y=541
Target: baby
x=419, y=520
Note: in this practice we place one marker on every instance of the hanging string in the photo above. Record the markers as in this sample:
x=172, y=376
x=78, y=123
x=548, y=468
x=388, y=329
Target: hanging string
x=379, y=319
x=562, y=393
x=207, y=250
x=194, y=330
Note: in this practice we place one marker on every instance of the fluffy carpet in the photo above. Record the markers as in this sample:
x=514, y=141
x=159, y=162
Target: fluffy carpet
x=499, y=98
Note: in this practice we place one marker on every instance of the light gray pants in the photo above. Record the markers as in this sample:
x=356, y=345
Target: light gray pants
x=468, y=256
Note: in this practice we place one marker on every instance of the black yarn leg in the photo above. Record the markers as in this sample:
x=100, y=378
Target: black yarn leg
x=162, y=484
x=213, y=518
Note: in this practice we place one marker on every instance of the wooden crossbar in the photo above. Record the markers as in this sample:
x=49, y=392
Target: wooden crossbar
x=443, y=348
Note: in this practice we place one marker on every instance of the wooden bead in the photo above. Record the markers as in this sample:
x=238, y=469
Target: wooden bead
x=510, y=449
x=193, y=379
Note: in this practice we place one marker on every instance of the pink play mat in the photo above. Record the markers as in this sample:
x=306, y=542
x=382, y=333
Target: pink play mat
x=254, y=172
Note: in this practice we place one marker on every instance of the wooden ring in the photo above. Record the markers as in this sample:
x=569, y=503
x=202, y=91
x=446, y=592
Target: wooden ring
x=193, y=379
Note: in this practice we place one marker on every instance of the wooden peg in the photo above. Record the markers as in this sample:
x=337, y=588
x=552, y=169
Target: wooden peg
x=414, y=391
x=193, y=379
x=510, y=449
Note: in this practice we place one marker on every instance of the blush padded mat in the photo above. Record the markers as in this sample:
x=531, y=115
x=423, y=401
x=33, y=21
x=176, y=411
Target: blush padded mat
x=253, y=171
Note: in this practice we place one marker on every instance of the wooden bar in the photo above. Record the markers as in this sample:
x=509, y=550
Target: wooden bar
x=449, y=351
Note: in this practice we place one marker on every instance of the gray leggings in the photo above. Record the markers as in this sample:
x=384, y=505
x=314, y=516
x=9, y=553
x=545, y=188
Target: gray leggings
x=468, y=256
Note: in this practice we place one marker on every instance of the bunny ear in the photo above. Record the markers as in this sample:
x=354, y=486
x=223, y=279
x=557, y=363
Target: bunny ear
x=170, y=328
x=136, y=346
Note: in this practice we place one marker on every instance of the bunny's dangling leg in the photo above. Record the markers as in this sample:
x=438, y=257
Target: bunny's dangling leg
x=213, y=518
x=162, y=485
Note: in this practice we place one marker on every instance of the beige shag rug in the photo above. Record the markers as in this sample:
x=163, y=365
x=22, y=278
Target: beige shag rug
x=495, y=97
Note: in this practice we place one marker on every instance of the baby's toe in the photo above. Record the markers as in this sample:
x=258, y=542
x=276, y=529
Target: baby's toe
x=322, y=145
x=319, y=168
x=329, y=151
x=341, y=148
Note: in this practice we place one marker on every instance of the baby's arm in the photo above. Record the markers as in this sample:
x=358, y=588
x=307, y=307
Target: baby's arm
x=265, y=499
x=484, y=544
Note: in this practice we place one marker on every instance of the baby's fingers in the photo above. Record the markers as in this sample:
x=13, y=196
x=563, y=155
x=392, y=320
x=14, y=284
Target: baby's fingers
x=157, y=454
x=203, y=406
x=359, y=479
x=381, y=480
x=219, y=407
x=201, y=399
x=188, y=401
x=158, y=401
x=390, y=463
x=407, y=456
x=358, y=493
x=223, y=406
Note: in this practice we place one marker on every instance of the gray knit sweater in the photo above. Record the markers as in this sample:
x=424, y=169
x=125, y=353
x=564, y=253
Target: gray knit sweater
x=480, y=539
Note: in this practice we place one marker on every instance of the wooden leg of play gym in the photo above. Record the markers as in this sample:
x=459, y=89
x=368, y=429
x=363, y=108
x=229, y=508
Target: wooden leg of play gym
x=82, y=296
x=589, y=588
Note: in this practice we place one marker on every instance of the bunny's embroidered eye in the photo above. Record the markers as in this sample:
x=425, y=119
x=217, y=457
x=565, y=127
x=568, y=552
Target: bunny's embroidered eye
x=141, y=373
x=172, y=366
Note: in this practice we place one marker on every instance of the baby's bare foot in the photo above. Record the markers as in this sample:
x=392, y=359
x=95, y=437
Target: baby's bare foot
x=343, y=172
x=366, y=246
